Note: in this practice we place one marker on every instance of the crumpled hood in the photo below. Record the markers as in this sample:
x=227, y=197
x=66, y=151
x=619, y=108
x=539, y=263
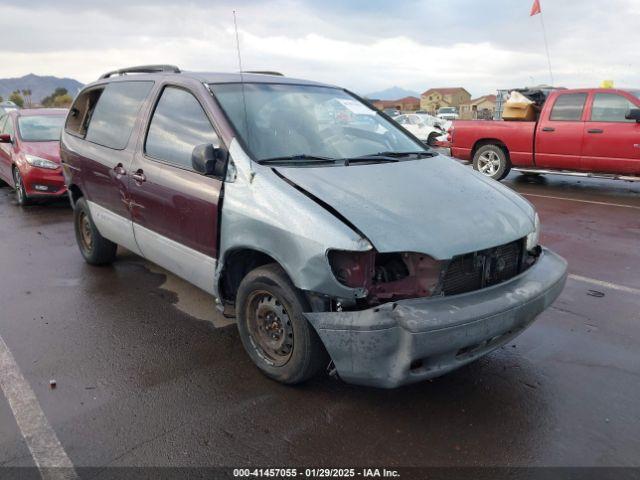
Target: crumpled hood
x=434, y=205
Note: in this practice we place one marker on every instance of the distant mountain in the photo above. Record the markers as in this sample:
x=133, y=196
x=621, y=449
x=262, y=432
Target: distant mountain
x=40, y=86
x=393, y=93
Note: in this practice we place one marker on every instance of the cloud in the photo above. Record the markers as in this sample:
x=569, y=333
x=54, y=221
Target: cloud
x=363, y=45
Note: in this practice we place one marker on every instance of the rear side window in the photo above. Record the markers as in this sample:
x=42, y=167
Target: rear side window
x=569, y=107
x=610, y=107
x=115, y=114
x=80, y=113
x=178, y=125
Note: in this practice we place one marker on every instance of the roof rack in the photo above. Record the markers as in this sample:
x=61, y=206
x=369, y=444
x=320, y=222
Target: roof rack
x=264, y=72
x=142, y=69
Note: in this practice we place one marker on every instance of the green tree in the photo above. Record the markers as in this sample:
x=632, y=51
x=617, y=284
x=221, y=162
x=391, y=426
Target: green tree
x=17, y=99
x=49, y=100
x=62, y=101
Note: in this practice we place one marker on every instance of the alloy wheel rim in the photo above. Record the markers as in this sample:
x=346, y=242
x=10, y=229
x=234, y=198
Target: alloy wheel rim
x=270, y=328
x=489, y=163
x=18, y=184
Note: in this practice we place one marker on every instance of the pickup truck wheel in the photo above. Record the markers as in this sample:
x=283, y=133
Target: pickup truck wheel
x=95, y=249
x=273, y=330
x=491, y=161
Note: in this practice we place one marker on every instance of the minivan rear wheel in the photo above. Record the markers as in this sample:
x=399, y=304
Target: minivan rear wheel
x=95, y=249
x=273, y=329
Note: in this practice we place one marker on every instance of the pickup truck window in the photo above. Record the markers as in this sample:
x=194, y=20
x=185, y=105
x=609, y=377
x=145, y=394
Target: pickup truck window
x=568, y=107
x=610, y=107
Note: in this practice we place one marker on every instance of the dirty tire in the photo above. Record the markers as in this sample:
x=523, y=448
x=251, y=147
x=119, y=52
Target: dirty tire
x=266, y=297
x=95, y=249
x=492, y=161
x=18, y=185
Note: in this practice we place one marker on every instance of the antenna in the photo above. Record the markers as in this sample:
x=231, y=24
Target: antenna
x=244, y=99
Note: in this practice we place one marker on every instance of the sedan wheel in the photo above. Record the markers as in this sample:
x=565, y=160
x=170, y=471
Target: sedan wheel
x=21, y=194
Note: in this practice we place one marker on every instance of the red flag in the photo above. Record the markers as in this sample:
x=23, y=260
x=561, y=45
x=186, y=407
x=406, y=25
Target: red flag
x=535, y=8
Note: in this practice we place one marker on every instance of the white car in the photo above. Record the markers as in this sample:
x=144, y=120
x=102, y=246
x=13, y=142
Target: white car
x=425, y=127
x=448, y=113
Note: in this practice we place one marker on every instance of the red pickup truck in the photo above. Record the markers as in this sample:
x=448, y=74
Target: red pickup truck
x=584, y=132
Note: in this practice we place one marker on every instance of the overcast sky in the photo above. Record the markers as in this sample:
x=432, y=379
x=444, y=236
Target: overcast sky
x=365, y=45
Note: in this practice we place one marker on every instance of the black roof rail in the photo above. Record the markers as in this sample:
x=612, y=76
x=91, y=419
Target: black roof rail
x=264, y=72
x=142, y=69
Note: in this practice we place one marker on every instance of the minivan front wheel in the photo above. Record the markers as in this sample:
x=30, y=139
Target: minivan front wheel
x=273, y=329
x=95, y=249
x=492, y=161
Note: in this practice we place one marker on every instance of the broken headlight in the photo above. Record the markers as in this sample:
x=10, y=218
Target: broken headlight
x=387, y=276
x=534, y=237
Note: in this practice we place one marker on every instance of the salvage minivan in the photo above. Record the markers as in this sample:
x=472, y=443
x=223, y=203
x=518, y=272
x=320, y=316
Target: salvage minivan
x=334, y=241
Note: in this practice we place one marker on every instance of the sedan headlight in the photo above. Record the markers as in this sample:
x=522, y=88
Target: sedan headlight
x=534, y=237
x=40, y=162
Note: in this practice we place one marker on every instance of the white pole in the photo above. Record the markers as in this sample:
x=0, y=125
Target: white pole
x=546, y=46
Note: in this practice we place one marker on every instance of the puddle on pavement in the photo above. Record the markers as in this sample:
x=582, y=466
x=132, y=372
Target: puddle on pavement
x=191, y=300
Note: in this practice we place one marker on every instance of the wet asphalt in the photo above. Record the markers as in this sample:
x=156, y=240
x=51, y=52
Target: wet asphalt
x=148, y=374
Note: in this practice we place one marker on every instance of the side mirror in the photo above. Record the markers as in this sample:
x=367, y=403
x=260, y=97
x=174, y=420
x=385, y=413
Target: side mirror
x=633, y=114
x=209, y=160
x=5, y=138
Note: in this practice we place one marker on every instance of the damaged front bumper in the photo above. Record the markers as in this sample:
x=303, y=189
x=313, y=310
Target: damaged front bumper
x=411, y=340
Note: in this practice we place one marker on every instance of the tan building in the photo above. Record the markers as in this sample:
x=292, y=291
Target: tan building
x=435, y=98
x=406, y=104
x=479, y=108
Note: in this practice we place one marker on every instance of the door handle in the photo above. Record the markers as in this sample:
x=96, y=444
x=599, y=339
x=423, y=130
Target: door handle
x=119, y=170
x=139, y=177
x=595, y=130
x=548, y=129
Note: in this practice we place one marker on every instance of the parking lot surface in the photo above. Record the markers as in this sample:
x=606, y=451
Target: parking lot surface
x=148, y=374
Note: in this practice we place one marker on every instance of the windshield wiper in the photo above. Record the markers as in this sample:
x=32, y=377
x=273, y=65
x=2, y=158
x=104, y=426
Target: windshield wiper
x=387, y=156
x=418, y=154
x=300, y=158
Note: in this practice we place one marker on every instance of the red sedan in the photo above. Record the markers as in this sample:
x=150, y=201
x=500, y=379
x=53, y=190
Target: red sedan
x=30, y=153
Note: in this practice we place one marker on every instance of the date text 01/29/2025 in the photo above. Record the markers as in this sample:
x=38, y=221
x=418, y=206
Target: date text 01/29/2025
x=316, y=473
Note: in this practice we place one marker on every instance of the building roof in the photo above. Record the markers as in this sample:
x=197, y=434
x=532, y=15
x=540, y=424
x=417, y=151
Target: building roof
x=445, y=91
x=400, y=101
x=488, y=98
x=408, y=99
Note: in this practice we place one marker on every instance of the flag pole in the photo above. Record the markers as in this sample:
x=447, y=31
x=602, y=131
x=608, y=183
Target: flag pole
x=546, y=46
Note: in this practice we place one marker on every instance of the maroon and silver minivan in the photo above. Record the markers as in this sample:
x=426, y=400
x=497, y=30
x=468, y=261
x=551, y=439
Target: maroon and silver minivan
x=336, y=237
